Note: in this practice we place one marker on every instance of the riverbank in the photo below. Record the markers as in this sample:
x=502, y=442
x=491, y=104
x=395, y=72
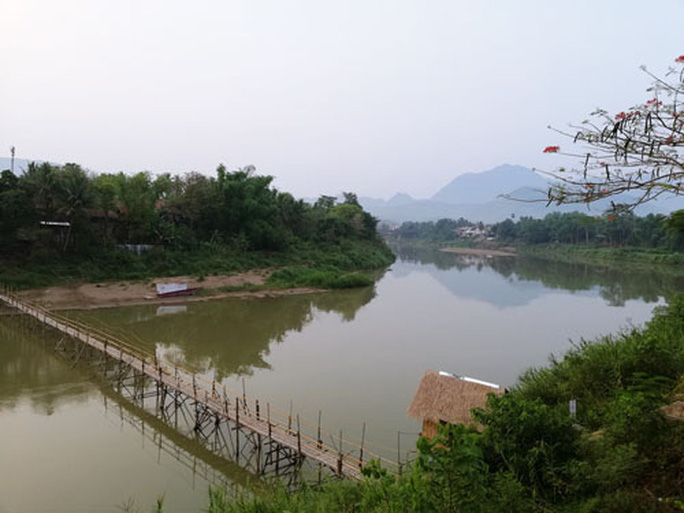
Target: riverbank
x=315, y=265
x=578, y=253
x=608, y=256
x=486, y=252
x=87, y=296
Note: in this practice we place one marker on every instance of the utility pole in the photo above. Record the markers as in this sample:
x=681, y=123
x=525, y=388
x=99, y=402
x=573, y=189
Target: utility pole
x=12, y=151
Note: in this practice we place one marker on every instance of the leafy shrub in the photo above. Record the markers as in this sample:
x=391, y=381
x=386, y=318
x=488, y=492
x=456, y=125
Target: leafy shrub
x=329, y=278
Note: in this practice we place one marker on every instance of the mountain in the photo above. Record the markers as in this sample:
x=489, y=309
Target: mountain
x=477, y=197
x=486, y=186
x=400, y=199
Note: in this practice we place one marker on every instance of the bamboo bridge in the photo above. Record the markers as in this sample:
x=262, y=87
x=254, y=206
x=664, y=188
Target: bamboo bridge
x=260, y=438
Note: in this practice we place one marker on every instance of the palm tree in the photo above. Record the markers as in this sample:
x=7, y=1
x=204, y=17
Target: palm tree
x=75, y=197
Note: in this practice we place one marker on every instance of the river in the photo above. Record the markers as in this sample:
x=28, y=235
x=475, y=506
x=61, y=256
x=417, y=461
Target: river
x=67, y=444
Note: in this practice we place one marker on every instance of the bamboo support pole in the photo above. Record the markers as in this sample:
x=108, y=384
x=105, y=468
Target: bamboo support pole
x=268, y=415
x=363, y=439
x=319, y=442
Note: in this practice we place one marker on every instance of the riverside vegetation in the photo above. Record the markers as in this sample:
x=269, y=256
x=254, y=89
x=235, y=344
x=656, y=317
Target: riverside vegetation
x=60, y=223
x=615, y=236
x=619, y=453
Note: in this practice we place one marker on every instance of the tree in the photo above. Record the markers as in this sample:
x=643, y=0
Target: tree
x=41, y=184
x=640, y=150
x=75, y=196
x=16, y=209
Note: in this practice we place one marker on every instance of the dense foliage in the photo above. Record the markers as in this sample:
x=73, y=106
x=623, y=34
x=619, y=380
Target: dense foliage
x=63, y=221
x=615, y=228
x=619, y=453
x=444, y=230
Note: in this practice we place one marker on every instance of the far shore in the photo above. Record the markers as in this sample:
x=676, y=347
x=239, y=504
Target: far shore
x=482, y=251
x=85, y=296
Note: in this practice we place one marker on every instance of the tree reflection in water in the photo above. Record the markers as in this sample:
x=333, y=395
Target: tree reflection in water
x=227, y=337
x=30, y=370
x=615, y=284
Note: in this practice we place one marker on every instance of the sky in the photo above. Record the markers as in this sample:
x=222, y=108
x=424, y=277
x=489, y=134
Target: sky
x=373, y=97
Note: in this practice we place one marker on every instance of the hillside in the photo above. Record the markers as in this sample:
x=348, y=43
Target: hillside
x=483, y=187
x=478, y=197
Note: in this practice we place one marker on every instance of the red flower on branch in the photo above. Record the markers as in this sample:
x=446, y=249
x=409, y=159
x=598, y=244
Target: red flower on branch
x=625, y=115
x=680, y=59
x=551, y=149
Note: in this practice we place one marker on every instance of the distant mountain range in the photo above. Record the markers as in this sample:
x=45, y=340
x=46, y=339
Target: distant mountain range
x=477, y=197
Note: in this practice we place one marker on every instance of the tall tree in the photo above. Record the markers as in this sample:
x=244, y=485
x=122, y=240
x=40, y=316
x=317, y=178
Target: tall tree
x=75, y=197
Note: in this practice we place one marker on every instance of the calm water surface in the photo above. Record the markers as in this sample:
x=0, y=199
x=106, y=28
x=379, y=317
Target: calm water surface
x=68, y=445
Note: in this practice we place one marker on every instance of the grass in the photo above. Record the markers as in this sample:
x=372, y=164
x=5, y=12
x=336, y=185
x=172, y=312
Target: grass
x=605, y=255
x=335, y=261
x=327, y=278
x=245, y=287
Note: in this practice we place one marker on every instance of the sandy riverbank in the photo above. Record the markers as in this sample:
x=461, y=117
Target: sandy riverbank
x=506, y=251
x=119, y=293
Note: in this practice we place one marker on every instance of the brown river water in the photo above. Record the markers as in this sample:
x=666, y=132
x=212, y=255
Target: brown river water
x=69, y=444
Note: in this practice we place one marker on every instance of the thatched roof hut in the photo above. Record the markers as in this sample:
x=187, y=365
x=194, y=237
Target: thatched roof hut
x=444, y=398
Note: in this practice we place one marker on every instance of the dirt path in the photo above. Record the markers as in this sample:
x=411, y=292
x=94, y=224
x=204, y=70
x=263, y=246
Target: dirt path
x=99, y=295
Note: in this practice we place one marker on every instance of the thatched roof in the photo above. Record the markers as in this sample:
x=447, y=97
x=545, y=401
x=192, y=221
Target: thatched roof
x=444, y=397
x=674, y=411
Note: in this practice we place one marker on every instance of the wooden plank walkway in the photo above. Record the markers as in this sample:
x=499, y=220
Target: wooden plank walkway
x=278, y=428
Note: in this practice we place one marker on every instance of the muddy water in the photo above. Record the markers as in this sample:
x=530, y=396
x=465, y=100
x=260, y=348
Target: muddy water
x=68, y=445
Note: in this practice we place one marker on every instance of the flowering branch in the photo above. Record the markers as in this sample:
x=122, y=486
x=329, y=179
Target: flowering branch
x=639, y=150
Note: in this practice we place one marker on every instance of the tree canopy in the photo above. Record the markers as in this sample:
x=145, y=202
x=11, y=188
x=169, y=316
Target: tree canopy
x=67, y=208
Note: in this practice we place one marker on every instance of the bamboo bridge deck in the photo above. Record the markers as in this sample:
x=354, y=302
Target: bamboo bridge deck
x=212, y=405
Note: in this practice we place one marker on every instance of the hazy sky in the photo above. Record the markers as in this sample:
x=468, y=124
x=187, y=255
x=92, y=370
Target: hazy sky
x=367, y=96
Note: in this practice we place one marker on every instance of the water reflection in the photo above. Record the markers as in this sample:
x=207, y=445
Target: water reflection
x=57, y=436
x=227, y=337
x=28, y=371
x=528, y=278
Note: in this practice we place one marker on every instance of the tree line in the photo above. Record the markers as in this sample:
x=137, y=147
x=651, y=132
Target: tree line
x=68, y=209
x=443, y=230
x=614, y=228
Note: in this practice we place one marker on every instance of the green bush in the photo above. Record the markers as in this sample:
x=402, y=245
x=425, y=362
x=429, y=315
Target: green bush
x=328, y=278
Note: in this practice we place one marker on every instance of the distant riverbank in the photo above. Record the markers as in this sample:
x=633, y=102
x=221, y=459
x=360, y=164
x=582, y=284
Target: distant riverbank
x=609, y=256
x=504, y=251
x=579, y=253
